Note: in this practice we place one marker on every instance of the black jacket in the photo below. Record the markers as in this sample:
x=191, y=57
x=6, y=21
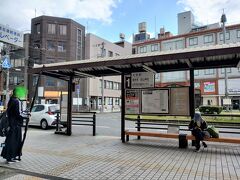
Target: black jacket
x=193, y=125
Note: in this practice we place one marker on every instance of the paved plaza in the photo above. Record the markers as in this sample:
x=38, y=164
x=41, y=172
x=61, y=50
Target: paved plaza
x=83, y=156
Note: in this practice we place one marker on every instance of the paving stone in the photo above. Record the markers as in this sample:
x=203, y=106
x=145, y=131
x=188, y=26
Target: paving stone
x=106, y=157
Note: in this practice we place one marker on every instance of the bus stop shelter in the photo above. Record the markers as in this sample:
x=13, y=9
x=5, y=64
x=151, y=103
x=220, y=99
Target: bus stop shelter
x=190, y=59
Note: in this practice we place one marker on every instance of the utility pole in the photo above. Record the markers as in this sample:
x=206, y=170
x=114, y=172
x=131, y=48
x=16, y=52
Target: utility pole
x=26, y=36
x=102, y=55
x=223, y=21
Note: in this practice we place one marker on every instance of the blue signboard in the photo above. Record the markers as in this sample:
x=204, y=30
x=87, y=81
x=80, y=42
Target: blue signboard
x=6, y=63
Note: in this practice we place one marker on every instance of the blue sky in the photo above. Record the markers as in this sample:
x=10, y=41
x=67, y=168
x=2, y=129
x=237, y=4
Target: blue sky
x=128, y=14
x=108, y=18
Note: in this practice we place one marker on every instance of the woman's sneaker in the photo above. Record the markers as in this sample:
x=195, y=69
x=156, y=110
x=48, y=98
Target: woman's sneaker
x=16, y=159
x=10, y=161
x=204, y=144
x=197, y=150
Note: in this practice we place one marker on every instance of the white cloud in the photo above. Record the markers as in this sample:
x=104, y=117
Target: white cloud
x=210, y=11
x=18, y=13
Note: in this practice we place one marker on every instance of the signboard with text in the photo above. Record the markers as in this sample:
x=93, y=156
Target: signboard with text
x=142, y=80
x=209, y=86
x=132, y=100
x=155, y=101
x=11, y=36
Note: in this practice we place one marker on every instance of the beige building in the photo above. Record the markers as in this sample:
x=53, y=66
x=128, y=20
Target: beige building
x=209, y=83
x=91, y=91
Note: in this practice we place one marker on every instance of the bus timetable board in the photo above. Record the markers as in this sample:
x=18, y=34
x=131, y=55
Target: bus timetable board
x=132, y=102
x=155, y=101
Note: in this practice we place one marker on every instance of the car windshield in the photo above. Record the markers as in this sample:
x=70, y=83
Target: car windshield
x=52, y=108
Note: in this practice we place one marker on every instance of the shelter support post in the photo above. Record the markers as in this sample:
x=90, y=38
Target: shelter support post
x=123, y=108
x=192, y=97
x=69, y=107
x=191, y=94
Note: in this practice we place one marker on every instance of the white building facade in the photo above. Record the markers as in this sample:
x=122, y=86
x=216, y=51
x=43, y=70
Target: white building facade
x=91, y=90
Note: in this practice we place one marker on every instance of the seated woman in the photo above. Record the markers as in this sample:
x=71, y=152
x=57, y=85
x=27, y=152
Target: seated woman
x=198, y=126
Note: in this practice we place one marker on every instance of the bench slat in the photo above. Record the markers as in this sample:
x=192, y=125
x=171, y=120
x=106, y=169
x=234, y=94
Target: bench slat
x=176, y=136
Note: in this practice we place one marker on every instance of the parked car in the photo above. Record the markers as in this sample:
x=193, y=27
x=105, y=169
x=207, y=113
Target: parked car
x=44, y=115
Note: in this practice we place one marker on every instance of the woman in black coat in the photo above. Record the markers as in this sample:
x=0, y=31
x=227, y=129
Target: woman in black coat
x=12, y=148
x=198, y=126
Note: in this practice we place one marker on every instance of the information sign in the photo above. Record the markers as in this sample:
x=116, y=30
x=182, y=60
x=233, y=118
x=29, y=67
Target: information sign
x=142, y=80
x=132, y=100
x=155, y=101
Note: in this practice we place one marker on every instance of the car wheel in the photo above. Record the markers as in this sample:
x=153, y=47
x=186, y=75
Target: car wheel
x=44, y=124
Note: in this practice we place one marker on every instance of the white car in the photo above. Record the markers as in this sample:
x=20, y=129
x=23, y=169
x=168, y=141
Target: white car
x=44, y=115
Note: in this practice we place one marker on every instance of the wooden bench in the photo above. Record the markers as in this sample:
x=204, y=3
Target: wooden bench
x=183, y=138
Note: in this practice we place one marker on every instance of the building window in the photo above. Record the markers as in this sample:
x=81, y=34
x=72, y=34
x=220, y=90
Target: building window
x=238, y=33
x=143, y=49
x=196, y=73
x=193, y=41
x=110, y=54
x=50, y=82
x=117, y=101
x=50, y=46
x=100, y=83
x=110, y=101
x=154, y=47
x=100, y=101
x=79, y=44
x=227, y=36
x=51, y=28
x=63, y=29
x=49, y=61
x=61, y=47
x=209, y=71
x=208, y=38
x=229, y=70
x=38, y=28
x=116, y=86
x=116, y=54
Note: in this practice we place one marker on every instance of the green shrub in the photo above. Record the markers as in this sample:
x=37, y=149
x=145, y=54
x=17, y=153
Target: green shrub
x=211, y=109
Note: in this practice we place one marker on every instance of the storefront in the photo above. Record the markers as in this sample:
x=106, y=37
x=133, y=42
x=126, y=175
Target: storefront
x=233, y=91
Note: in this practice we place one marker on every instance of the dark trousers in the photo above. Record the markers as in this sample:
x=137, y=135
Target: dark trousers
x=198, y=134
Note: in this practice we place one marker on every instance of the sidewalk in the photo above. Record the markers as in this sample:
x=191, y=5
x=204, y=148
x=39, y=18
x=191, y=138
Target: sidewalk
x=82, y=156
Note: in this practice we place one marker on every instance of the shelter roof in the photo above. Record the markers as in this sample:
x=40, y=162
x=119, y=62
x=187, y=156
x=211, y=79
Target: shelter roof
x=206, y=57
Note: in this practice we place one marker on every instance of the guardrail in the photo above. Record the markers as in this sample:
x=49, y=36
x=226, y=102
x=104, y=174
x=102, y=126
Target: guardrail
x=79, y=118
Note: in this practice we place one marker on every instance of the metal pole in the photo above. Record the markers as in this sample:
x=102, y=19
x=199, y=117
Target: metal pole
x=123, y=109
x=223, y=20
x=7, y=88
x=102, y=94
x=26, y=60
x=69, y=107
x=102, y=55
x=191, y=94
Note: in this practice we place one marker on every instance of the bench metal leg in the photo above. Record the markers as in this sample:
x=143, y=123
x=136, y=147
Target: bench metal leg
x=183, y=142
x=127, y=137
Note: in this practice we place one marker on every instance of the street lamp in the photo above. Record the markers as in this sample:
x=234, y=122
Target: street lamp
x=223, y=21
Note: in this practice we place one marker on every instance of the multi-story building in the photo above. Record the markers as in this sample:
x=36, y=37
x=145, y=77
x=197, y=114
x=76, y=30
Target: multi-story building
x=55, y=39
x=209, y=83
x=91, y=88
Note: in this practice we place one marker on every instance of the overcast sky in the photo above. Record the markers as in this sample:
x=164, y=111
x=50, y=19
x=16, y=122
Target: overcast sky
x=108, y=18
